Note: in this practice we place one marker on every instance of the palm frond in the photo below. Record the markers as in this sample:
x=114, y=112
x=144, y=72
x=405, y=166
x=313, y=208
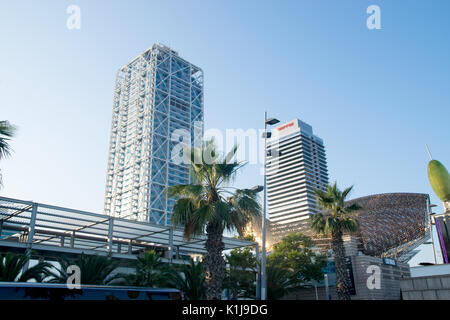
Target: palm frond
x=353, y=208
x=335, y=217
x=190, y=279
x=230, y=155
x=185, y=190
x=318, y=223
x=346, y=192
x=350, y=225
x=94, y=269
x=11, y=266
x=7, y=131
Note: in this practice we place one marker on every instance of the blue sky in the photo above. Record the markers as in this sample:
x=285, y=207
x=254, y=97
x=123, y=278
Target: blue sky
x=376, y=97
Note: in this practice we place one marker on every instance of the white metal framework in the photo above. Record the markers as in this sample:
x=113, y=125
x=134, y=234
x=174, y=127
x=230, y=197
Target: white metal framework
x=37, y=226
x=156, y=94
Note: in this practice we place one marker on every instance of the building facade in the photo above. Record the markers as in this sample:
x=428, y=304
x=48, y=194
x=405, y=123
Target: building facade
x=158, y=105
x=296, y=166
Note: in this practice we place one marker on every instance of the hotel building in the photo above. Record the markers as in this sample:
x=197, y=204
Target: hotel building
x=156, y=95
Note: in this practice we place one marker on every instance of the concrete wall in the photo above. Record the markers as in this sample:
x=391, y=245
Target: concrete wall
x=310, y=294
x=426, y=288
x=390, y=279
x=434, y=270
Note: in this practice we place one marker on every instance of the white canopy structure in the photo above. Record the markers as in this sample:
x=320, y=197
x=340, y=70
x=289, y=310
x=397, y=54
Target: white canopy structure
x=42, y=227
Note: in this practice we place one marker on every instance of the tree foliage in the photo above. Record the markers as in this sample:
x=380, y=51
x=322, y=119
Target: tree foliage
x=96, y=270
x=241, y=275
x=7, y=131
x=189, y=279
x=149, y=271
x=292, y=265
x=12, y=266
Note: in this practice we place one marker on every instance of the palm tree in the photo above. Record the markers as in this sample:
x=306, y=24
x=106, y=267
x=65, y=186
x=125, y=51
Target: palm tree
x=94, y=270
x=150, y=271
x=209, y=204
x=189, y=279
x=6, y=132
x=336, y=219
x=279, y=281
x=11, y=267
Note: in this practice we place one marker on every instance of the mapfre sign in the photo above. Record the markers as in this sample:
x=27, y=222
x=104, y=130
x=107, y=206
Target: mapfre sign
x=290, y=124
x=286, y=129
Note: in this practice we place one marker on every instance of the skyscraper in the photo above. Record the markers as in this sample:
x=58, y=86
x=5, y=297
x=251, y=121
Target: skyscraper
x=296, y=165
x=156, y=95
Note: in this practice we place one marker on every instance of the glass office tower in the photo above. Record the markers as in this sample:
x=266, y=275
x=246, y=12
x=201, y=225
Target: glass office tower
x=296, y=165
x=157, y=95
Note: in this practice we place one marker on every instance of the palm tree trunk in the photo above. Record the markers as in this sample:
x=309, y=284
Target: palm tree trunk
x=213, y=262
x=341, y=268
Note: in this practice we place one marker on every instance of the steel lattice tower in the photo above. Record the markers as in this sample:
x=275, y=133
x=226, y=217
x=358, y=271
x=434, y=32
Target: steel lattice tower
x=156, y=94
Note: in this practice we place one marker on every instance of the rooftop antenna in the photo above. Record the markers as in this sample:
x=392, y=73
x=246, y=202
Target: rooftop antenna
x=428, y=149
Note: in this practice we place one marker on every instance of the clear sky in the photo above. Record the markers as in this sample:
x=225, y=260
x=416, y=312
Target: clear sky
x=376, y=97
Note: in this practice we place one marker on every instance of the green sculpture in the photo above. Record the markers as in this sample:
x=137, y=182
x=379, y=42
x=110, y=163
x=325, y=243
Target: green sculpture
x=439, y=180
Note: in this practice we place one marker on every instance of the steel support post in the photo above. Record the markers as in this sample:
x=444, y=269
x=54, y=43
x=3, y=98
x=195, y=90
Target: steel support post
x=31, y=229
x=170, y=244
x=32, y=225
x=110, y=234
x=72, y=239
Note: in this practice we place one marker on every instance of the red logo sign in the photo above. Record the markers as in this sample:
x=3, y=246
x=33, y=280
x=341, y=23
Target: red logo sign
x=285, y=126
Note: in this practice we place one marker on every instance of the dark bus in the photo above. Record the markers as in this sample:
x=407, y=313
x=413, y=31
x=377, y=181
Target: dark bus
x=52, y=291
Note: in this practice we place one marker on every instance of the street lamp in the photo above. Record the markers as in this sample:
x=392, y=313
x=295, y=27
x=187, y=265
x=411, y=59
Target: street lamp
x=257, y=189
x=271, y=121
x=267, y=121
